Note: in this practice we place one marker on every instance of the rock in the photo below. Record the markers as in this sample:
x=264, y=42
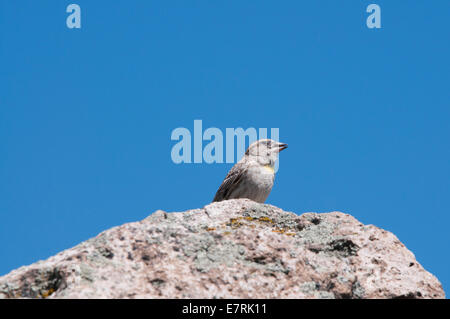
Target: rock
x=231, y=249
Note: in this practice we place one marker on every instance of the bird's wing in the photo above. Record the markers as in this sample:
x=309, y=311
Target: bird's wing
x=230, y=182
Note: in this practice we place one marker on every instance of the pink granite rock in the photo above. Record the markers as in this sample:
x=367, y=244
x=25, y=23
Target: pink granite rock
x=231, y=249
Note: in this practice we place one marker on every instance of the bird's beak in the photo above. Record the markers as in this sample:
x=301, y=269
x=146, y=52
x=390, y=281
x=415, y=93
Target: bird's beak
x=282, y=146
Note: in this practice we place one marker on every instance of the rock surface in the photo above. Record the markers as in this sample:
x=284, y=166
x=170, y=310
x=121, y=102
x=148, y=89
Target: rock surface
x=231, y=249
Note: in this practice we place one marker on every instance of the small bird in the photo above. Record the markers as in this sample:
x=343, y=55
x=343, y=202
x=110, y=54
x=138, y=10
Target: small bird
x=252, y=177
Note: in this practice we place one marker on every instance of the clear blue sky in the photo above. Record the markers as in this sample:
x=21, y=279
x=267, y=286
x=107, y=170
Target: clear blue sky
x=86, y=115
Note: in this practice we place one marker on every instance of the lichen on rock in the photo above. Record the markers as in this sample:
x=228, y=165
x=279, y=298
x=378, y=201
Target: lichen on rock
x=231, y=249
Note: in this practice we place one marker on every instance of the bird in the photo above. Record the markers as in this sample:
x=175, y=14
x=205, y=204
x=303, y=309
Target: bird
x=253, y=176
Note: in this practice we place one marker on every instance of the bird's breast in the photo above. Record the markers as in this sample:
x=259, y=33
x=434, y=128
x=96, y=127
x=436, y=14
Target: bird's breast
x=262, y=177
x=255, y=184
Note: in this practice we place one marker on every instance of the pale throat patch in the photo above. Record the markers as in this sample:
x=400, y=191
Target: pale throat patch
x=269, y=169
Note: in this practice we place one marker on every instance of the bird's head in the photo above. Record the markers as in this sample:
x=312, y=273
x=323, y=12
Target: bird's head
x=265, y=151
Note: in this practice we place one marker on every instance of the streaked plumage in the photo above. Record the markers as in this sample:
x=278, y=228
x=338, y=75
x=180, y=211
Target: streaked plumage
x=253, y=176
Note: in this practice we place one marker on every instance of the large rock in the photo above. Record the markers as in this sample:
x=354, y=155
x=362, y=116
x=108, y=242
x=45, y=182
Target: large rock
x=231, y=249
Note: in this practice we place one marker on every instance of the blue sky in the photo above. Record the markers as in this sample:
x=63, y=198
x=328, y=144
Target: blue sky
x=86, y=115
